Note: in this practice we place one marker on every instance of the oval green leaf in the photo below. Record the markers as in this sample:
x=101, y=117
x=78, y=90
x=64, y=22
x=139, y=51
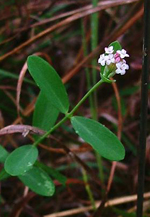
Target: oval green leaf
x=49, y=82
x=116, y=45
x=52, y=172
x=21, y=160
x=45, y=114
x=3, y=154
x=38, y=181
x=99, y=137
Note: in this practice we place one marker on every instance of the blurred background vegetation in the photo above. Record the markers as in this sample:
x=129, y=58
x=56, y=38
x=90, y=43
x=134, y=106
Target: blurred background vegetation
x=71, y=34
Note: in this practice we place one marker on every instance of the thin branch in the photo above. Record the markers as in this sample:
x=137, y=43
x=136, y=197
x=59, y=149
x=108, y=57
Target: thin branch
x=144, y=107
x=64, y=22
x=24, y=129
x=117, y=201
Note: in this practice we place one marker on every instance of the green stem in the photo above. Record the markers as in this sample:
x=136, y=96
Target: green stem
x=50, y=131
x=100, y=166
x=94, y=38
x=94, y=42
x=94, y=107
x=69, y=115
x=87, y=73
x=91, y=102
x=88, y=189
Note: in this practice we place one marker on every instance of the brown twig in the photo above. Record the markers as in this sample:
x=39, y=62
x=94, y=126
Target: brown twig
x=64, y=22
x=21, y=77
x=114, y=202
x=110, y=180
x=24, y=129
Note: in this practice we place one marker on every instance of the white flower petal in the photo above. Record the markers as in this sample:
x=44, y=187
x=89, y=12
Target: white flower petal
x=102, y=59
x=116, y=59
x=120, y=71
x=121, y=67
x=123, y=53
x=109, y=50
x=110, y=59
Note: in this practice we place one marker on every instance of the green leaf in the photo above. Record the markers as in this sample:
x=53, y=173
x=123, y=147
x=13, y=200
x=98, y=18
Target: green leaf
x=3, y=174
x=38, y=181
x=99, y=137
x=45, y=114
x=3, y=154
x=116, y=45
x=49, y=82
x=21, y=160
x=52, y=172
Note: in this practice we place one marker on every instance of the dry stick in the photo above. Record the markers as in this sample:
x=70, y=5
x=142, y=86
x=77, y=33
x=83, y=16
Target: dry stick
x=19, y=85
x=21, y=77
x=7, y=87
x=64, y=22
x=117, y=201
x=61, y=150
x=144, y=107
x=80, y=10
x=119, y=134
x=24, y=129
x=119, y=109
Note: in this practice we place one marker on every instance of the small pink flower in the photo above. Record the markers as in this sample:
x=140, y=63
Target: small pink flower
x=116, y=55
x=117, y=59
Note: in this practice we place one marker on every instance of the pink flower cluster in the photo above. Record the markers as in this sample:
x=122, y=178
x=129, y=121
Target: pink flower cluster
x=115, y=58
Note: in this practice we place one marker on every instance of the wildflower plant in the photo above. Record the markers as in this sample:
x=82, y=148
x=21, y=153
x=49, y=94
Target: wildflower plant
x=52, y=101
x=112, y=61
